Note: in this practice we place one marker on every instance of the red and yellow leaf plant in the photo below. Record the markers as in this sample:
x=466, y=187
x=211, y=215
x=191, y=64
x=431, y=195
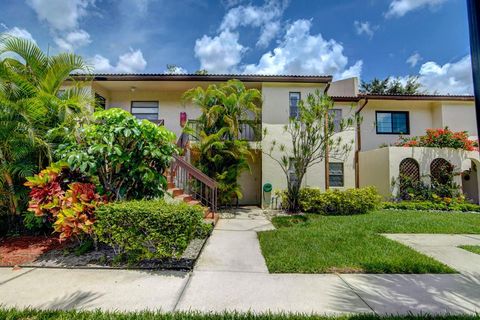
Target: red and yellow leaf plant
x=67, y=198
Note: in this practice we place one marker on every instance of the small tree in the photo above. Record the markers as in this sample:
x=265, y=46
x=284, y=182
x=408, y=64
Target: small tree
x=129, y=156
x=313, y=138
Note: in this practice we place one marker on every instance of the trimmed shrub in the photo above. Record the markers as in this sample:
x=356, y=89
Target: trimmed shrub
x=336, y=202
x=146, y=229
x=430, y=205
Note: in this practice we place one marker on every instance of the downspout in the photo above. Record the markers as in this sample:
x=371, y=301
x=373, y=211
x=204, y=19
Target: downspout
x=327, y=171
x=358, y=145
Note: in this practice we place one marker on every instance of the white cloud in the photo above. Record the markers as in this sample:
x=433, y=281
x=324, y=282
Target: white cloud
x=305, y=54
x=365, y=28
x=450, y=78
x=19, y=32
x=414, y=59
x=265, y=17
x=220, y=54
x=129, y=62
x=398, y=8
x=269, y=32
x=73, y=40
x=60, y=14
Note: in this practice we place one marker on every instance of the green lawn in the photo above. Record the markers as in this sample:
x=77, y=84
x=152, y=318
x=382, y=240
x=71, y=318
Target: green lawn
x=319, y=244
x=474, y=249
x=12, y=314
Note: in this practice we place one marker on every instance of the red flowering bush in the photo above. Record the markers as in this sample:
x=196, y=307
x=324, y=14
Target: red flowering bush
x=65, y=197
x=441, y=138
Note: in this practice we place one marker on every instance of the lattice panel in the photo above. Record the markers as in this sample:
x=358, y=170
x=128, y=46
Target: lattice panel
x=439, y=166
x=409, y=169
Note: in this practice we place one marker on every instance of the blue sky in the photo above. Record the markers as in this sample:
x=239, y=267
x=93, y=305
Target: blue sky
x=368, y=38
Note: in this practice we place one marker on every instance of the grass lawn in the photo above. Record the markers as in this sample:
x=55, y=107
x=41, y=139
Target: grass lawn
x=12, y=314
x=319, y=244
x=474, y=249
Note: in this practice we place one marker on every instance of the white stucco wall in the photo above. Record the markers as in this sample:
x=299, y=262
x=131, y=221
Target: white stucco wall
x=379, y=167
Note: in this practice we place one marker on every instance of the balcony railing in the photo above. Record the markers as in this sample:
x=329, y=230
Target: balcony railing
x=249, y=130
x=159, y=122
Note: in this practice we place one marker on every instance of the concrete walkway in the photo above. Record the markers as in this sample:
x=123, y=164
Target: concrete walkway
x=232, y=275
x=445, y=248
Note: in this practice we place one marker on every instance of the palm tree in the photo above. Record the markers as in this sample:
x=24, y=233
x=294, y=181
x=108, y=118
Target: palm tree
x=33, y=101
x=222, y=155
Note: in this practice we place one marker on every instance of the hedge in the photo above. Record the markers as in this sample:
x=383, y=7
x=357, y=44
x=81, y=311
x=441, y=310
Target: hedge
x=336, y=202
x=146, y=229
x=430, y=205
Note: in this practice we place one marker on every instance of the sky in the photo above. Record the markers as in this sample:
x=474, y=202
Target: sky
x=342, y=38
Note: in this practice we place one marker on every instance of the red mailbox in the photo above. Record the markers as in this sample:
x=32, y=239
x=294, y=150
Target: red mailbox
x=183, y=119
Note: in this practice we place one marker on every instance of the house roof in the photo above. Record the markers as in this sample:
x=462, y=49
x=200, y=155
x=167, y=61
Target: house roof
x=416, y=97
x=204, y=77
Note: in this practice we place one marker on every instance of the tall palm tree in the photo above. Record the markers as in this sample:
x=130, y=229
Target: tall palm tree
x=33, y=100
x=222, y=155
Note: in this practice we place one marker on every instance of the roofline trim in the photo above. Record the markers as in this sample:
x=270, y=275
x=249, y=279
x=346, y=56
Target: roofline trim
x=417, y=97
x=206, y=77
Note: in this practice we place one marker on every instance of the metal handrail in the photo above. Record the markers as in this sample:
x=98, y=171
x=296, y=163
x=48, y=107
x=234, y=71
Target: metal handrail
x=197, y=174
x=193, y=181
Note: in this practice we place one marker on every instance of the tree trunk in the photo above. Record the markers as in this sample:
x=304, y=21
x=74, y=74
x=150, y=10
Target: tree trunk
x=14, y=209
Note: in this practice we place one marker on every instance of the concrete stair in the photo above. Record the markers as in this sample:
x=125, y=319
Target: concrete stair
x=178, y=194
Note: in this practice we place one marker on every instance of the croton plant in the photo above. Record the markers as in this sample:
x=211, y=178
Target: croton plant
x=67, y=198
x=440, y=138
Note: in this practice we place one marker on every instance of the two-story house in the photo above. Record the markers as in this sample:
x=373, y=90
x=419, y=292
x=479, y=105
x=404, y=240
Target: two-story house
x=157, y=97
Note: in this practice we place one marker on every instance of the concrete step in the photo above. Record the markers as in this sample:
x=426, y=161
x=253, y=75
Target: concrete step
x=175, y=192
x=213, y=219
x=194, y=202
x=184, y=197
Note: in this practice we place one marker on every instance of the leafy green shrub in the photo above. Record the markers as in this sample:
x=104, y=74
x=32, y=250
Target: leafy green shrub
x=336, y=202
x=129, y=156
x=145, y=229
x=432, y=205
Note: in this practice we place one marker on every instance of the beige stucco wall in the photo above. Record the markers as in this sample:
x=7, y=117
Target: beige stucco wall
x=374, y=170
x=380, y=167
x=420, y=119
x=169, y=105
x=458, y=116
x=275, y=114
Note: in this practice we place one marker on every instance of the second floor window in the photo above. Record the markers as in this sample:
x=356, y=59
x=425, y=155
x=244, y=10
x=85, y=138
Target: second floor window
x=294, y=99
x=336, y=114
x=392, y=122
x=145, y=110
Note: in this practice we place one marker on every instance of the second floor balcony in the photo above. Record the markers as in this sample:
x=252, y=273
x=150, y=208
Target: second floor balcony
x=249, y=130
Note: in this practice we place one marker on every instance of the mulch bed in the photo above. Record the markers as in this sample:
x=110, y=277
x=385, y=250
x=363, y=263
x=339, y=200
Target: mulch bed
x=47, y=252
x=25, y=249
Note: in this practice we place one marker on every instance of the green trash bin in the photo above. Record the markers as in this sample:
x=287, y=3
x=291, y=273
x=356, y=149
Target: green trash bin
x=267, y=195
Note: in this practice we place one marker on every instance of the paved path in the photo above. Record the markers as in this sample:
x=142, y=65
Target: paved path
x=231, y=275
x=444, y=248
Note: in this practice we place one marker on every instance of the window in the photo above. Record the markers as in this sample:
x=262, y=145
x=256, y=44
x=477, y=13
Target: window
x=335, y=174
x=392, y=122
x=100, y=101
x=294, y=99
x=145, y=109
x=336, y=114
